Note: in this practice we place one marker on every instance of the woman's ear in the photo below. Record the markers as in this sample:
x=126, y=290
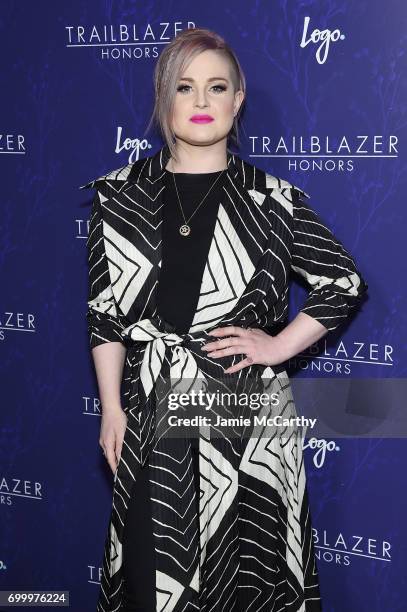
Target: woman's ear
x=239, y=97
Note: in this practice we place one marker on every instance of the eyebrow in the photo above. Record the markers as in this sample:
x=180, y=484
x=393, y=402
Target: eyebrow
x=211, y=79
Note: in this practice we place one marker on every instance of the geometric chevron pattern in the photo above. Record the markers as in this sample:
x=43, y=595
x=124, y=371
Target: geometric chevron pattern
x=249, y=547
x=222, y=285
x=123, y=255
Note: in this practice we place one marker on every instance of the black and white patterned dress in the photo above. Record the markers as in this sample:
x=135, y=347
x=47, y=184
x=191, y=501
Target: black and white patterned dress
x=254, y=549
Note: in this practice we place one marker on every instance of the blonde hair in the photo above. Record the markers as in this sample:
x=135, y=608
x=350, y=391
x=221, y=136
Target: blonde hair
x=170, y=66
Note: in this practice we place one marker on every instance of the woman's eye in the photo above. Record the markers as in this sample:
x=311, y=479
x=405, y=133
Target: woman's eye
x=221, y=87
x=182, y=88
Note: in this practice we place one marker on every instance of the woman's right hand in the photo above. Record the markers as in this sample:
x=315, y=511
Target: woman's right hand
x=112, y=430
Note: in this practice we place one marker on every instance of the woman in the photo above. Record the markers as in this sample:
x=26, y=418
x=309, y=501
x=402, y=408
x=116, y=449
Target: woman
x=190, y=252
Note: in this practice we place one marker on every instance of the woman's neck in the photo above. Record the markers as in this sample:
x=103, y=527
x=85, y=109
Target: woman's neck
x=198, y=159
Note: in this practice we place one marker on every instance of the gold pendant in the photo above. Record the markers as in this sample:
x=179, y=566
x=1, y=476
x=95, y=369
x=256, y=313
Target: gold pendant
x=184, y=230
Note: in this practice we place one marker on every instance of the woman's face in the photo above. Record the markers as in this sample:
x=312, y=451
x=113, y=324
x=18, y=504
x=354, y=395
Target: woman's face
x=205, y=103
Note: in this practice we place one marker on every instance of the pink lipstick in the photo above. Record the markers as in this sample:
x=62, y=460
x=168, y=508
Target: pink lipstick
x=201, y=118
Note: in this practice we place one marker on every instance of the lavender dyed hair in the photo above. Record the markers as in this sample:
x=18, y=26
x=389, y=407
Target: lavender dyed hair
x=170, y=66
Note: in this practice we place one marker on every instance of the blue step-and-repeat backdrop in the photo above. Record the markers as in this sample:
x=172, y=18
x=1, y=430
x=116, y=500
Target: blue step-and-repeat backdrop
x=327, y=110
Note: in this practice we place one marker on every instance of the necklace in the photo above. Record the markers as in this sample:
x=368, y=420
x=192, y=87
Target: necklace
x=185, y=229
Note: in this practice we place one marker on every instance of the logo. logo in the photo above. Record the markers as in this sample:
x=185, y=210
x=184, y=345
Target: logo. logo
x=321, y=447
x=134, y=145
x=324, y=37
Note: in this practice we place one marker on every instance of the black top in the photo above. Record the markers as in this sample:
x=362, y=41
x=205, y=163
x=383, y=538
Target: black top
x=184, y=257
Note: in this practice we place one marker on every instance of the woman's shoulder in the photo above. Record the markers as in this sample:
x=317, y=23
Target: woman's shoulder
x=120, y=174
x=260, y=179
x=281, y=191
x=279, y=183
x=287, y=194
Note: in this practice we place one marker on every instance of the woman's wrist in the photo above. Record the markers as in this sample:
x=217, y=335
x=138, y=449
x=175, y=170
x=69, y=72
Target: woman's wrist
x=278, y=350
x=298, y=335
x=111, y=407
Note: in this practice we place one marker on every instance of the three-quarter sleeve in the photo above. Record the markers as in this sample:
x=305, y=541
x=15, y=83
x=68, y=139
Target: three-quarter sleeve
x=336, y=285
x=104, y=320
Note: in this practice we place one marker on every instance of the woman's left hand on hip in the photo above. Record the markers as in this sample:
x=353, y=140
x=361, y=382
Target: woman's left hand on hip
x=258, y=346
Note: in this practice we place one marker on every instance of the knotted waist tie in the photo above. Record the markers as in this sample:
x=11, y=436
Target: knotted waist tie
x=161, y=337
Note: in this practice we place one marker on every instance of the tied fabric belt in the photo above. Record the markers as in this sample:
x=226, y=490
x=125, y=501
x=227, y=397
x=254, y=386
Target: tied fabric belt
x=160, y=337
